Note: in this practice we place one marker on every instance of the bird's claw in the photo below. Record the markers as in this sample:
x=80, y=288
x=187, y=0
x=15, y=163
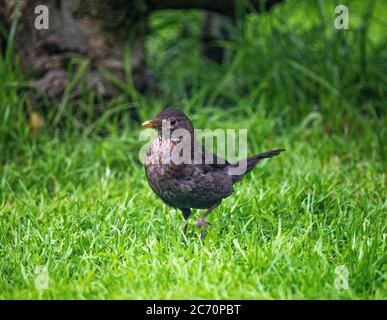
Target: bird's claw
x=202, y=223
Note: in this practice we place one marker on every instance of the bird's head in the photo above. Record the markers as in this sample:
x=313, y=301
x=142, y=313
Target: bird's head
x=170, y=118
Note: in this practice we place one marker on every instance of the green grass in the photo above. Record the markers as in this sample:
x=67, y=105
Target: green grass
x=74, y=197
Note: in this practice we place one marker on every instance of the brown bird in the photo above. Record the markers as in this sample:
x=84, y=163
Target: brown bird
x=185, y=175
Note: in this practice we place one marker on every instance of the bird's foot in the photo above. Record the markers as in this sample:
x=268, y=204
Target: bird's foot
x=185, y=228
x=201, y=223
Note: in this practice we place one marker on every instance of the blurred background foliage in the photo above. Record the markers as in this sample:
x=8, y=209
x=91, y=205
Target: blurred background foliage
x=289, y=65
x=290, y=59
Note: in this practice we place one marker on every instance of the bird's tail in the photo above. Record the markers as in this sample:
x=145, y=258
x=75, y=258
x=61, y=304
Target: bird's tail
x=252, y=161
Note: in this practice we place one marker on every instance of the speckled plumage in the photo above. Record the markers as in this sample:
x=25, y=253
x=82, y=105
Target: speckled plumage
x=187, y=185
x=193, y=185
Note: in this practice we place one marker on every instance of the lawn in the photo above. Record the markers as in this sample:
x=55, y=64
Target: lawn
x=309, y=224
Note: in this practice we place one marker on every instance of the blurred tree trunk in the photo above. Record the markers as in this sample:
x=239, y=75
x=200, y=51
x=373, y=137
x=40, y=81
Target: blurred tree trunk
x=98, y=30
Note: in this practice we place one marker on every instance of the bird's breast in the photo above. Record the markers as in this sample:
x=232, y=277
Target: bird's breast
x=184, y=185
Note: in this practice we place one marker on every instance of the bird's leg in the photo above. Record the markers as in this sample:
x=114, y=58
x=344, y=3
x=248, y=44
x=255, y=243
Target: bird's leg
x=186, y=213
x=201, y=222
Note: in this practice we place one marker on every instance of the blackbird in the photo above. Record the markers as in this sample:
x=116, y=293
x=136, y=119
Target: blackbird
x=183, y=173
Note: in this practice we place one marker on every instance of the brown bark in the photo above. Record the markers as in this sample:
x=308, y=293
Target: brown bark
x=96, y=30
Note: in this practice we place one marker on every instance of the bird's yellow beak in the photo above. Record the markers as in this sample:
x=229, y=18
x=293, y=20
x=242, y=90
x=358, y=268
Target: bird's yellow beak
x=151, y=124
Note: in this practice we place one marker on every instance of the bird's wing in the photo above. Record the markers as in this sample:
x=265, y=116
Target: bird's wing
x=208, y=158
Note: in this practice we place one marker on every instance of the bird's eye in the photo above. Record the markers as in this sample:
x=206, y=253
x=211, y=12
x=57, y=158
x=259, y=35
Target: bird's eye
x=172, y=121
